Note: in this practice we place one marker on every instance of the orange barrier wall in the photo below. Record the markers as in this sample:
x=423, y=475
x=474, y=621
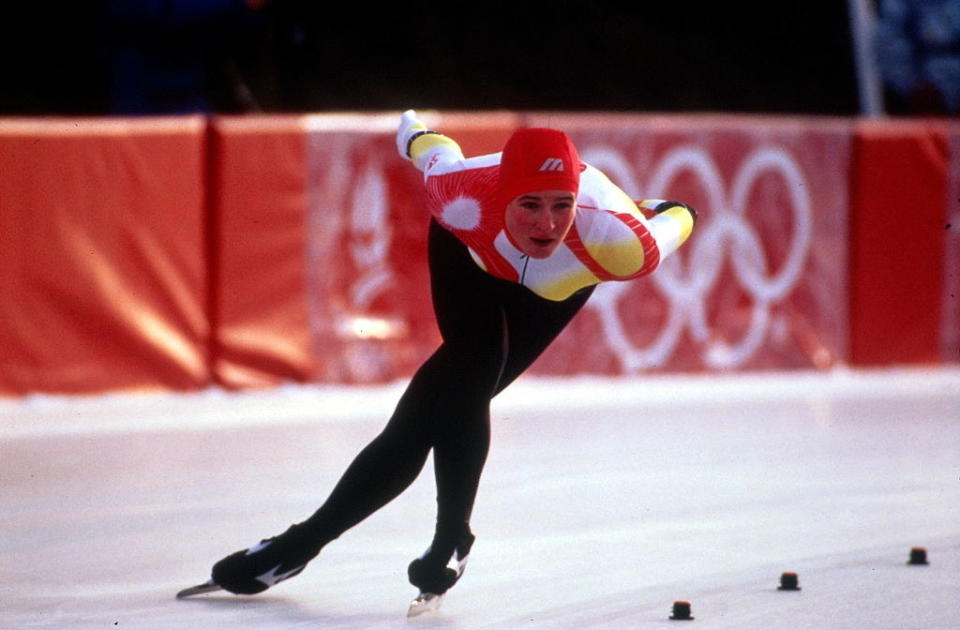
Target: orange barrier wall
x=102, y=263
x=250, y=251
x=897, y=240
x=258, y=263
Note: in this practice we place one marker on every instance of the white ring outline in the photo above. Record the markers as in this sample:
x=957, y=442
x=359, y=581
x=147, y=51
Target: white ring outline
x=686, y=289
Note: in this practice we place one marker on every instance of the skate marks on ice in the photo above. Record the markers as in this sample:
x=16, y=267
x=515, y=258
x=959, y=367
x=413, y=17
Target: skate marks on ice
x=874, y=588
x=663, y=499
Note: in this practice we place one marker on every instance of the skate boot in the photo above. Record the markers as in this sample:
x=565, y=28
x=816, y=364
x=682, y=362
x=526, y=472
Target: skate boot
x=271, y=561
x=435, y=572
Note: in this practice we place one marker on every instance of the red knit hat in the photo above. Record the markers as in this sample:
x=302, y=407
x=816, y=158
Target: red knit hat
x=538, y=159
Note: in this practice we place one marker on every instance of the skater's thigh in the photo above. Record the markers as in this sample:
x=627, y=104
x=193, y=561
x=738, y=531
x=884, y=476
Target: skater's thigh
x=467, y=302
x=532, y=324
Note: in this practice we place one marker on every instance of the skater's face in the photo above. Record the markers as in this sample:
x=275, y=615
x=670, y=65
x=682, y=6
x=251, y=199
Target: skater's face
x=537, y=222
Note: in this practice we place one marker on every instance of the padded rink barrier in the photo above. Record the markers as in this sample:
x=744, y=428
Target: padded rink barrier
x=250, y=251
x=257, y=260
x=905, y=243
x=102, y=255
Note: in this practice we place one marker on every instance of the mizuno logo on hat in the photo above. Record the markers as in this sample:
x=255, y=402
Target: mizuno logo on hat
x=552, y=164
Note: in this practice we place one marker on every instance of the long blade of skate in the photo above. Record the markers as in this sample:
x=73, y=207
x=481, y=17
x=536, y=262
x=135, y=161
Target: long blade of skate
x=207, y=587
x=424, y=603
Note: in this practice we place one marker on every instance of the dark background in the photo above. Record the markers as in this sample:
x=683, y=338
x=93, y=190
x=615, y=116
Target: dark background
x=293, y=55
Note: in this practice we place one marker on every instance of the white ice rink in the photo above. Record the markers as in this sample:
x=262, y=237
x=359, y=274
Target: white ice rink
x=603, y=502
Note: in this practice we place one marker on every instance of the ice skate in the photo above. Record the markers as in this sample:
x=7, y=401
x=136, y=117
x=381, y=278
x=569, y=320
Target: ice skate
x=207, y=587
x=424, y=603
x=256, y=569
x=434, y=579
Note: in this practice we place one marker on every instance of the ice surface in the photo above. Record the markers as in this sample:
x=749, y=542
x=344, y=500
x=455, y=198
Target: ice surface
x=603, y=502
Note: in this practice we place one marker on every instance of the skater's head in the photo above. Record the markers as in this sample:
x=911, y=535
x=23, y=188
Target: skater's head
x=539, y=181
x=538, y=221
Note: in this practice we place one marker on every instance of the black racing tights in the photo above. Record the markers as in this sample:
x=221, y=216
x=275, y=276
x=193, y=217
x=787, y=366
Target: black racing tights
x=492, y=331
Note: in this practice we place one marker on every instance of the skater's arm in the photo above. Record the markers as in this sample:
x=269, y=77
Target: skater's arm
x=670, y=223
x=425, y=148
x=628, y=239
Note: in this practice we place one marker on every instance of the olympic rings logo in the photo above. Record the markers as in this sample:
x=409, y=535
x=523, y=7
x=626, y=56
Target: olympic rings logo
x=727, y=232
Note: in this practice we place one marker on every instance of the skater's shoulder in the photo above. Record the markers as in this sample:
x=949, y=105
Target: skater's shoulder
x=446, y=165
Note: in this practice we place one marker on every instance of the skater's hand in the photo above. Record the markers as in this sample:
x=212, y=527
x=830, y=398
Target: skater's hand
x=409, y=126
x=650, y=208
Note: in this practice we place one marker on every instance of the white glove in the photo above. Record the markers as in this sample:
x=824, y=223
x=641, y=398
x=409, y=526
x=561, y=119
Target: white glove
x=410, y=125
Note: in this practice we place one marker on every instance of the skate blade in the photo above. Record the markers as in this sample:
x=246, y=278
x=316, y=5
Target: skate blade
x=424, y=603
x=207, y=587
